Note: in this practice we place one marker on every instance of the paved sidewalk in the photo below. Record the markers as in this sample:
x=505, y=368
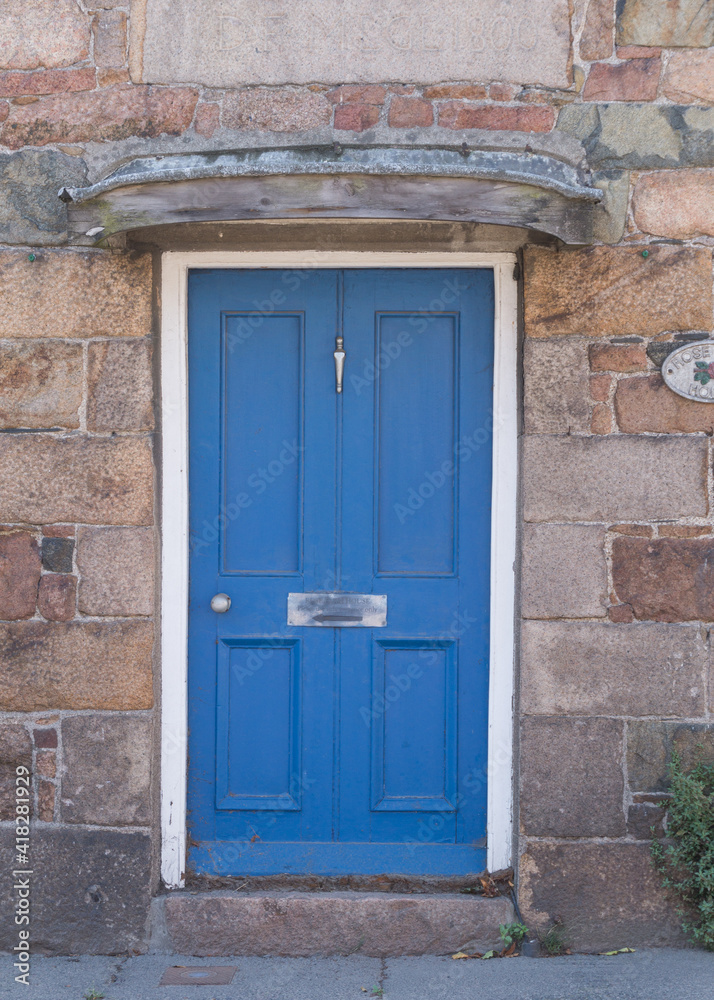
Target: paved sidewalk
x=654, y=974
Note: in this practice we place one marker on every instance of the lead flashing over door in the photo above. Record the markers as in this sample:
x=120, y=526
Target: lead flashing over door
x=530, y=190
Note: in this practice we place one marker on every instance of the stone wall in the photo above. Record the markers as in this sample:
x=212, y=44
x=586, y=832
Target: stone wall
x=77, y=586
x=616, y=589
x=73, y=103
x=617, y=521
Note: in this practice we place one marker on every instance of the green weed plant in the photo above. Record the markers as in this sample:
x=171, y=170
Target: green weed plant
x=686, y=859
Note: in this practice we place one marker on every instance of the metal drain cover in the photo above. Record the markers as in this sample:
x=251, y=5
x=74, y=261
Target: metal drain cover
x=198, y=975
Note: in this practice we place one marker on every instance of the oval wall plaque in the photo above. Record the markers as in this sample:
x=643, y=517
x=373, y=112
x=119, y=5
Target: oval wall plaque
x=689, y=371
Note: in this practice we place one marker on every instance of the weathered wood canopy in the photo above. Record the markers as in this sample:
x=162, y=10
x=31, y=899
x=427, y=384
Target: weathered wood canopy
x=529, y=190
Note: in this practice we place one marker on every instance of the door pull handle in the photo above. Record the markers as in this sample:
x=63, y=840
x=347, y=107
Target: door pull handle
x=339, y=356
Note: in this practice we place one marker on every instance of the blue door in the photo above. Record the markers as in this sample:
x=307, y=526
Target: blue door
x=345, y=742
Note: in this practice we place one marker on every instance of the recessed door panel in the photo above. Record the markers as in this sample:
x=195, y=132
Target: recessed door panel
x=258, y=725
x=417, y=413
x=262, y=443
x=413, y=722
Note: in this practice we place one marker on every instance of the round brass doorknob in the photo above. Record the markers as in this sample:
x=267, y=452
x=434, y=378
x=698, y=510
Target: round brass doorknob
x=220, y=603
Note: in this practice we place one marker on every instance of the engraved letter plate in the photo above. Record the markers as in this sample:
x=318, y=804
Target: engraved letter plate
x=338, y=610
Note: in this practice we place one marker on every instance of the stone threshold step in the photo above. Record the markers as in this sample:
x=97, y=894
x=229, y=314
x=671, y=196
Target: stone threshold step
x=303, y=924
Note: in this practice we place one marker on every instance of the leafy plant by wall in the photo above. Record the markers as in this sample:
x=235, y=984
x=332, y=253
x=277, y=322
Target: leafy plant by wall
x=686, y=860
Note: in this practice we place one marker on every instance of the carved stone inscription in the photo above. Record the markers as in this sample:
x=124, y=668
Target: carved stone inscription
x=225, y=43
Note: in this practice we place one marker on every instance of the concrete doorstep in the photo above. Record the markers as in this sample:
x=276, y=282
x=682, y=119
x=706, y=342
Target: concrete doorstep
x=650, y=974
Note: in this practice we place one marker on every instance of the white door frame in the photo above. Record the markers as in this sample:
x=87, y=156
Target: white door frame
x=174, y=549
